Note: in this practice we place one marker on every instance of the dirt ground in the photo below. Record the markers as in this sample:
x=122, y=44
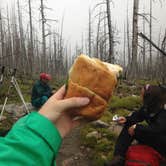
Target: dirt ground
x=71, y=152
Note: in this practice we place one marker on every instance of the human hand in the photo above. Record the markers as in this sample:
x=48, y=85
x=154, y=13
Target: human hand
x=121, y=120
x=55, y=109
x=131, y=130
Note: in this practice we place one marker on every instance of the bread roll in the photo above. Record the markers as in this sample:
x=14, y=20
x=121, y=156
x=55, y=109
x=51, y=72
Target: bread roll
x=94, y=75
x=90, y=77
x=96, y=106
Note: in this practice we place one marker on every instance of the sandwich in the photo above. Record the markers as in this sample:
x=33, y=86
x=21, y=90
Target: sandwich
x=92, y=78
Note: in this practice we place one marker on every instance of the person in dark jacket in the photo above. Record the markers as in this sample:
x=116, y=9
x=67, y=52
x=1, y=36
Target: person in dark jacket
x=153, y=134
x=41, y=90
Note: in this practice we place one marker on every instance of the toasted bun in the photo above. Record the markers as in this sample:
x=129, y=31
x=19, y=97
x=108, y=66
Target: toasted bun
x=94, y=75
x=90, y=77
x=96, y=106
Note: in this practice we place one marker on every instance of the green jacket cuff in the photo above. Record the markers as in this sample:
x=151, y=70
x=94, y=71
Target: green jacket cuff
x=46, y=129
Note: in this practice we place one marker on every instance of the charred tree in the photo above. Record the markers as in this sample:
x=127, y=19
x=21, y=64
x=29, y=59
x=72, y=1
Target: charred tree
x=134, y=65
x=110, y=33
x=31, y=50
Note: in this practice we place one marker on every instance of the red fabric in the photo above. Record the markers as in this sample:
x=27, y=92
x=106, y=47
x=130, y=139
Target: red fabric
x=45, y=76
x=142, y=155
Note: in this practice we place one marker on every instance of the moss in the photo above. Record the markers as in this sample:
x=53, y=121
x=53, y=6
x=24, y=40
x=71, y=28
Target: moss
x=144, y=82
x=129, y=103
x=104, y=145
x=100, y=147
x=98, y=159
x=107, y=116
x=90, y=141
x=122, y=112
x=124, y=89
x=110, y=155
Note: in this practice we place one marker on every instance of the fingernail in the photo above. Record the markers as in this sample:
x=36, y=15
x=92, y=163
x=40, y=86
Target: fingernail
x=84, y=100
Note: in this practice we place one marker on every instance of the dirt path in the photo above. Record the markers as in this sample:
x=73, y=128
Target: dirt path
x=71, y=152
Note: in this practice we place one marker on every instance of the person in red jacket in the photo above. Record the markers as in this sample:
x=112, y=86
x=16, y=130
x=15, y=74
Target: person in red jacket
x=153, y=112
x=41, y=90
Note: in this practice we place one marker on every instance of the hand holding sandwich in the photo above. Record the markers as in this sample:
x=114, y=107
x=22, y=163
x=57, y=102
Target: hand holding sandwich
x=55, y=109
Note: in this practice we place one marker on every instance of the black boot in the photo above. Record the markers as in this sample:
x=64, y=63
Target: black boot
x=116, y=161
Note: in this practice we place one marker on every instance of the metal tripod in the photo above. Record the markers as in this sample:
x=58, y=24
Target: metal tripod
x=14, y=84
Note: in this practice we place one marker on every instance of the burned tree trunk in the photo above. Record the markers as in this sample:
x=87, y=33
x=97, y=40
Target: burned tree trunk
x=2, y=40
x=90, y=35
x=97, y=37
x=31, y=51
x=144, y=49
x=128, y=44
x=24, y=59
x=150, y=34
x=43, y=19
x=134, y=65
x=111, y=55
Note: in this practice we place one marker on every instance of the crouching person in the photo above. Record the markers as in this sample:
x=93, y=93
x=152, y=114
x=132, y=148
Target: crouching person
x=153, y=134
x=41, y=91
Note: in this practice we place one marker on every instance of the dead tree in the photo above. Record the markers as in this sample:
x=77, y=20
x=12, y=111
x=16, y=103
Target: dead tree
x=106, y=53
x=10, y=45
x=82, y=43
x=2, y=40
x=150, y=34
x=61, y=48
x=144, y=48
x=98, y=36
x=104, y=40
x=110, y=33
x=23, y=55
x=163, y=59
x=128, y=40
x=90, y=35
x=153, y=44
x=43, y=20
x=124, y=47
x=134, y=65
x=31, y=51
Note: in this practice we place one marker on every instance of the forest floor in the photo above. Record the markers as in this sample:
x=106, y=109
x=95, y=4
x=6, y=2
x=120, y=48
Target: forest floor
x=71, y=152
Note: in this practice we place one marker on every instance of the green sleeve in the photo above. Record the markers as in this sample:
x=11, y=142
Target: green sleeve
x=32, y=141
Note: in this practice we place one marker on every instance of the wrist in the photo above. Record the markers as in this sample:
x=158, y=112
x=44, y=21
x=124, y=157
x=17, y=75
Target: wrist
x=61, y=130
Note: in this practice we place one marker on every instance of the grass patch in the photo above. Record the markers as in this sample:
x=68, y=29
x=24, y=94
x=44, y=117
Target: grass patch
x=129, y=103
x=144, y=82
x=102, y=147
x=26, y=89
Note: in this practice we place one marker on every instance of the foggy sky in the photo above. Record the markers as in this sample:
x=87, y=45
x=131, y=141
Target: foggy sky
x=76, y=15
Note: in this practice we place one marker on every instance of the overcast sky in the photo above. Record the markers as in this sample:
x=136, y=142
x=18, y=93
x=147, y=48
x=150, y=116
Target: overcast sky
x=76, y=15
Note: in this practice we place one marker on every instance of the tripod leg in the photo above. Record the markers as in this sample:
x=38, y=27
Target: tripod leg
x=20, y=94
x=6, y=99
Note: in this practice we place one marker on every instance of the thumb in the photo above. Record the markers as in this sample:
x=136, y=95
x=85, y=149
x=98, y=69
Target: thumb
x=74, y=102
